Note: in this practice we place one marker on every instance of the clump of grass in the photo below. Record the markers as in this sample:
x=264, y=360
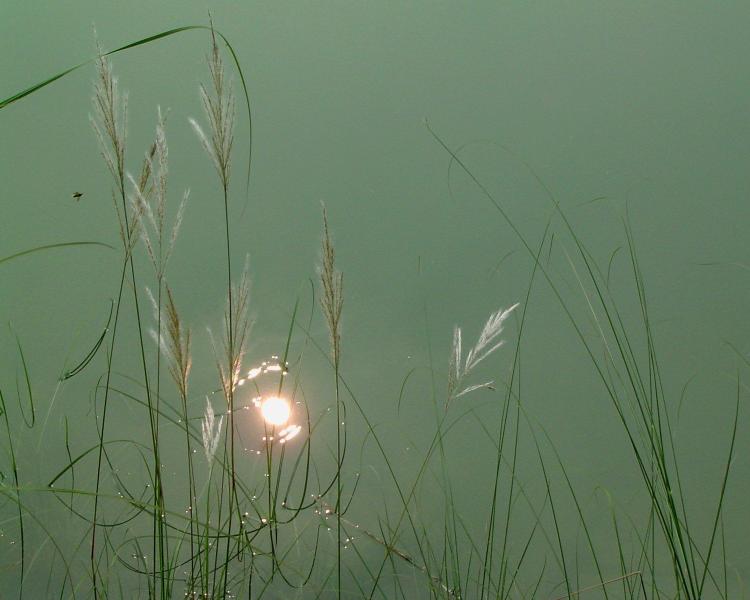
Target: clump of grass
x=633, y=383
x=239, y=532
x=219, y=110
x=110, y=125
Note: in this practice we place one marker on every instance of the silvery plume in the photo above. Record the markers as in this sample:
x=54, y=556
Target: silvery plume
x=210, y=431
x=487, y=343
x=219, y=109
x=151, y=202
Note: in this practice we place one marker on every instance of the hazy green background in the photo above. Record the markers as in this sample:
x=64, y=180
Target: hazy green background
x=644, y=103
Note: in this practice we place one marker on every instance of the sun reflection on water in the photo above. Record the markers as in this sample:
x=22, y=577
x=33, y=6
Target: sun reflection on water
x=275, y=411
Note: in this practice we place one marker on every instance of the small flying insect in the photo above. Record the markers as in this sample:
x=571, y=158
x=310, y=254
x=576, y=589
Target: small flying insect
x=77, y=196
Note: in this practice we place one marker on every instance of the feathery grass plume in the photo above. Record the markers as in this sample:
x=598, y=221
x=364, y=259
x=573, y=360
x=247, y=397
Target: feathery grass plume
x=231, y=350
x=145, y=190
x=179, y=347
x=332, y=298
x=219, y=107
x=110, y=117
x=210, y=431
x=175, y=346
x=487, y=343
x=109, y=122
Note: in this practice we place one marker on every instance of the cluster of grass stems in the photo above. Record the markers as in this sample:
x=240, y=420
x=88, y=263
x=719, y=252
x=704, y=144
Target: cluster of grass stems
x=229, y=534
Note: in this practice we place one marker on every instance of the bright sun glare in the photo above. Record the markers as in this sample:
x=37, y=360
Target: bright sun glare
x=275, y=410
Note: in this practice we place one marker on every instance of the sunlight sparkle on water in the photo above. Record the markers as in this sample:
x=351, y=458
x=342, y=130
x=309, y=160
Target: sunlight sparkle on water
x=267, y=366
x=288, y=433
